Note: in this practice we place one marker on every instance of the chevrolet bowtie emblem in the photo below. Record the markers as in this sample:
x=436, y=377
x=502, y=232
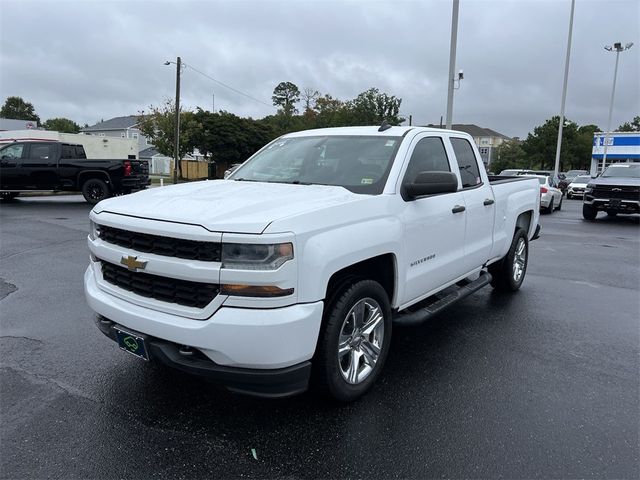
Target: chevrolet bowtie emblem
x=132, y=263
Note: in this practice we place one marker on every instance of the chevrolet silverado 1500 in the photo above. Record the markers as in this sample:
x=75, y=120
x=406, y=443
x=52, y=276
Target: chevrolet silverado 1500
x=294, y=269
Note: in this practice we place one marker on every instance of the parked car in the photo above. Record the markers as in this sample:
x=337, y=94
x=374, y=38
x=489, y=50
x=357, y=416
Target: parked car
x=577, y=186
x=56, y=166
x=572, y=174
x=615, y=191
x=301, y=260
x=550, y=194
x=231, y=169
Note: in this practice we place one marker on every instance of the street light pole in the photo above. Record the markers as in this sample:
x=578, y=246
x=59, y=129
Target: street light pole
x=564, y=91
x=618, y=48
x=177, y=123
x=452, y=61
x=213, y=102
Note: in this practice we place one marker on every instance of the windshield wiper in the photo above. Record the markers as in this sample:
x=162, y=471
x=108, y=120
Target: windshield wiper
x=244, y=180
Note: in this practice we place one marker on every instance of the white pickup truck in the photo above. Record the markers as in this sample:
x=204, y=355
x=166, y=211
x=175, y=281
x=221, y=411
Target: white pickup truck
x=292, y=271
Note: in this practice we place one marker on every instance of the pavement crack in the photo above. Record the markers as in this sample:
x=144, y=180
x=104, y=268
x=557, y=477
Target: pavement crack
x=20, y=337
x=48, y=245
x=69, y=389
x=6, y=288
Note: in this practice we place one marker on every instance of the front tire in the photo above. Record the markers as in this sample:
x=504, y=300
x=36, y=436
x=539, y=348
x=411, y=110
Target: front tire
x=508, y=274
x=588, y=212
x=95, y=190
x=355, y=340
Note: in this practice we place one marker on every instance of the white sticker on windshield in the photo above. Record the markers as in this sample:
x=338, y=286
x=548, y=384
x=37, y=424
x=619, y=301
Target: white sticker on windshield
x=367, y=181
x=390, y=143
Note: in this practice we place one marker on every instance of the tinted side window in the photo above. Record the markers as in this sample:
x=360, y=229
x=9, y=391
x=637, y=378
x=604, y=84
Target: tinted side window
x=12, y=151
x=42, y=151
x=80, y=152
x=469, y=172
x=428, y=155
x=68, y=151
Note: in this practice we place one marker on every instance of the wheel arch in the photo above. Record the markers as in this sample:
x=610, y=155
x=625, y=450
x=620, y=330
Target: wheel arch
x=91, y=174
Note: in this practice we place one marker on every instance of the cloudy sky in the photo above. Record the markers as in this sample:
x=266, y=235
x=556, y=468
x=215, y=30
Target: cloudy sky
x=88, y=60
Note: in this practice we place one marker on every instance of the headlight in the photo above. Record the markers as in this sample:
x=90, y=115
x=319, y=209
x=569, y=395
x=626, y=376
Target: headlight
x=94, y=230
x=589, y=188
x=245, y=256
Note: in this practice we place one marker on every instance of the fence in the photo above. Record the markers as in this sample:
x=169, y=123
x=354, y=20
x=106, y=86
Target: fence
x=193, y=170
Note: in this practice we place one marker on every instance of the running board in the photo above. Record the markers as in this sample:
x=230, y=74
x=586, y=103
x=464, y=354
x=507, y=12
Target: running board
x=424, y=314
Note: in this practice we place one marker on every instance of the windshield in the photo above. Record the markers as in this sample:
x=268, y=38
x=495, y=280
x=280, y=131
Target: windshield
x=573, y=173
x=632, y=171
x=360, y=164
x=582, y=179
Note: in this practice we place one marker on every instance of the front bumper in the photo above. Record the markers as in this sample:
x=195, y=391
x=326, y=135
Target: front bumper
x=249, y=338
x=276, y=383
x=612, y=204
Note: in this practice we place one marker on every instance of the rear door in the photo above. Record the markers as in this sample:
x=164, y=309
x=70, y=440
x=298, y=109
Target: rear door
x=434, y=225
x=11, y=157
x=41, y=165
x=480, y=204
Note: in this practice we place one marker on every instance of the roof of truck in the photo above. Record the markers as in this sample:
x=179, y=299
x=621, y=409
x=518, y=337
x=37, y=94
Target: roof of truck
x=372, y=130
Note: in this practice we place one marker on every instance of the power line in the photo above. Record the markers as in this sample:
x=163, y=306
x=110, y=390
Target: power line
x=227, y=86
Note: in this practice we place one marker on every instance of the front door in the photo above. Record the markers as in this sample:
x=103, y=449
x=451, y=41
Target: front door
x=11, y=166
x=434, y=227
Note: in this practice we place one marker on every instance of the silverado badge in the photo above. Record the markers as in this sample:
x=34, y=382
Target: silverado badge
x=132, y=263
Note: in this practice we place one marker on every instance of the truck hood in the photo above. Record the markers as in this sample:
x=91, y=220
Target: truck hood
x=226, y=205
x=630, y=181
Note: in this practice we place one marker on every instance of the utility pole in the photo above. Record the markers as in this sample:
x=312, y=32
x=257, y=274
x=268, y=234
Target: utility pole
x=618, y=48
x=564, y=91
x=213, y=102
x=452, y=61
x=177, y=122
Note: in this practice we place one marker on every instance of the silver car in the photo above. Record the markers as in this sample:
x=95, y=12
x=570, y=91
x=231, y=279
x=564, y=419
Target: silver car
x=577, y=186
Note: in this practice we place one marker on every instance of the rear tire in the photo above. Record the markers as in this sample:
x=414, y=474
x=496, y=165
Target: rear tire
x=559, y=205
x=549, y=209
x=95, y=190
x=354, y=342
x=8, y=196
x=588, y=212
x=508, y=274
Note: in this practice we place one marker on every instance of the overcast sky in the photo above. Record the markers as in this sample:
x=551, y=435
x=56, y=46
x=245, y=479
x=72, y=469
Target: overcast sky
x=88, y=60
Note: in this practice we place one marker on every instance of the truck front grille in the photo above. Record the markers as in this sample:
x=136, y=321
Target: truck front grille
x=166, y=246
x=165, y=289
x=624, y=192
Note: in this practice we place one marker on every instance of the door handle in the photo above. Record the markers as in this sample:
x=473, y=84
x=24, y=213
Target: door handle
x=458, y=209
x=489, y=201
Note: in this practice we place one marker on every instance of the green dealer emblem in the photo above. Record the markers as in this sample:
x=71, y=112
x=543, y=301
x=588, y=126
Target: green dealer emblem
x=131, y=343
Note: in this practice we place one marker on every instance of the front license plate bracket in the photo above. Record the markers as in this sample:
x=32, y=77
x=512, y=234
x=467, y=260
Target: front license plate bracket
x=132, y=343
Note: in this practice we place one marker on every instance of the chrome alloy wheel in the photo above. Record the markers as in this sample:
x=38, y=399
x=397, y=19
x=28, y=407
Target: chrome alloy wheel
x=519, y=260
x=361, y=339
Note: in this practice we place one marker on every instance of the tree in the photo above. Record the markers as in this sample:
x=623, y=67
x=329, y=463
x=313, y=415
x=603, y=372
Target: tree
x=17, y=109
x=582, y=148
x=61, y=124
x=309, y=97
x=633, y=126
x=285, y=96
x=509, y=154
x=227, y=138
x=540, y=147
x=159, y=125
x=372, y=107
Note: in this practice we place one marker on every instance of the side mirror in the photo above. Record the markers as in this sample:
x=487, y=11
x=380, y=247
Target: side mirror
x=430, y=183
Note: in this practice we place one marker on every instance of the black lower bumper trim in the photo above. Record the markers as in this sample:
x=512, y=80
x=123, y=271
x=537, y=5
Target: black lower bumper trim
x=272, y=383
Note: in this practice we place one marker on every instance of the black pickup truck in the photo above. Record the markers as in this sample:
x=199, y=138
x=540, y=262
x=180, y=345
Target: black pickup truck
x=57, y=166
x=616, y=191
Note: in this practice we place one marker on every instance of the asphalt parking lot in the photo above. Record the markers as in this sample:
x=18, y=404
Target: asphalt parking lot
x=540, y=384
